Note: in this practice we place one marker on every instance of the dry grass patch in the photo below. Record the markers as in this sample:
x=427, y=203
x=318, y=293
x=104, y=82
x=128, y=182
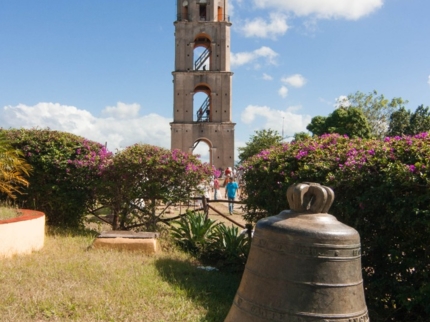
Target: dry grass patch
x=66, y=281
x=8, y=213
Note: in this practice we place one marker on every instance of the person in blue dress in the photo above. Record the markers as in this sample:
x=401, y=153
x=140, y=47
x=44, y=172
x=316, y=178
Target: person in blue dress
x=230, y=192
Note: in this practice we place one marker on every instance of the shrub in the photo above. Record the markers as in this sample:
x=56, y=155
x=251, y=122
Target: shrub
x=381, y=189
x=194, y=233
x=143, y=176
x=211, y=242
x=66, y=170
x=231, y=247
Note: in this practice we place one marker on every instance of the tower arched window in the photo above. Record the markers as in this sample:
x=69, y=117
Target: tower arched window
x=202, y=10
x=201, y=107
x=201, y=58
x=202, y=53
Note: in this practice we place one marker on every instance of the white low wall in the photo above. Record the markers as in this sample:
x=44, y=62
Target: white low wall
x=23, y=234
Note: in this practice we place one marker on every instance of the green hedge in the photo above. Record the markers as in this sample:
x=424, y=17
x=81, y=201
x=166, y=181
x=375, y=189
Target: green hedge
x=66, y=169
x=382, y=190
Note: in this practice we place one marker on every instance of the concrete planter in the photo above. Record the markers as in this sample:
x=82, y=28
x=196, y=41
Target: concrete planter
x=23, y=234
x=144, y=242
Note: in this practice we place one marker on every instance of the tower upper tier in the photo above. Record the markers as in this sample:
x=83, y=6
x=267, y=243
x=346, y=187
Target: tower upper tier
x=202, y=10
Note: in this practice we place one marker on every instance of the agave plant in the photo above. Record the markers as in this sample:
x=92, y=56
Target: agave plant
x=232, y=246
x=194, y=233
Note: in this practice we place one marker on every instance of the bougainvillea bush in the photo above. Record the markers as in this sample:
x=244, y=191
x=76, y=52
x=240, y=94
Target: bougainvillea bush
x=142, y=177
x=66, y=170
x=382, y=189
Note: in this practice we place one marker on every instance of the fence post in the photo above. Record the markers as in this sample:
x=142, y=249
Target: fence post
x=205, y=207
x=249, y=232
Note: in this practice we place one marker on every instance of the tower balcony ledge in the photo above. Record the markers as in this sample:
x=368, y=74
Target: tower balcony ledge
x=202, y=72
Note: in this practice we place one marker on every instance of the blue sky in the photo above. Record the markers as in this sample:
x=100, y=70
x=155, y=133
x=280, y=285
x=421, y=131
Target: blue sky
x=103, y=69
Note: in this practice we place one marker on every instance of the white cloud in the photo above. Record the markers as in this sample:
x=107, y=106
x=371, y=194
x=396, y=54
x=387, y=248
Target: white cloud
x=258, y=27
x=324, y=9
x=276, y=119
x=283, y=91
x=267, y=77
x=428, y=80
x=267, y=53
x=122, y=110
x=311, y=24
x=243, y=58
x=342, y=101
x=121, y=128
x=295, y=80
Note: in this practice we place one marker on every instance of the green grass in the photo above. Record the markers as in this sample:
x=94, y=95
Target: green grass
x=68, y=281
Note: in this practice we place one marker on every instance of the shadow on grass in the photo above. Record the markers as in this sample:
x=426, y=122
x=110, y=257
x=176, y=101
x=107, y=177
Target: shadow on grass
x=213, y=290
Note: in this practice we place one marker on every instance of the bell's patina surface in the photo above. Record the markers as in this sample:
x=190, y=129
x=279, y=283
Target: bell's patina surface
x=304, y=265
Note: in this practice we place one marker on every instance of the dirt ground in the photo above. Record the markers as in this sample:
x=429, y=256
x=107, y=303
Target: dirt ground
x=221, y=207
x=236, y=219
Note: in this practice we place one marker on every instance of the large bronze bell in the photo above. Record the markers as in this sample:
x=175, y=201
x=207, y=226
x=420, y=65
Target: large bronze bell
x=304, y=265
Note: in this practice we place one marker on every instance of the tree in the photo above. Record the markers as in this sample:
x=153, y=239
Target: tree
x=261, y=140
x=404, y=122
x=376, y=109
x=351, y=122
x=399, y=122
x=13, y=169
x=420, y=120
x=142, y=177
x=300, y=136
x=318, y=125
x=345, y=121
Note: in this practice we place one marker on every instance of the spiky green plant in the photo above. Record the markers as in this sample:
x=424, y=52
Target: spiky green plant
x=232, y=247
x=194, y=233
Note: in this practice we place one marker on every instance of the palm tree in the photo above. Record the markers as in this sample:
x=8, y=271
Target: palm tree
x=13, y=169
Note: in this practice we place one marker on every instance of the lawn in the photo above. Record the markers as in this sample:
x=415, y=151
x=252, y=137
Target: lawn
x=69, y=281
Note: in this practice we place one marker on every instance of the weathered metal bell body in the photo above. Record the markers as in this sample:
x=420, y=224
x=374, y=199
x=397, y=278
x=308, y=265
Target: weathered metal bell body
x=303, y=266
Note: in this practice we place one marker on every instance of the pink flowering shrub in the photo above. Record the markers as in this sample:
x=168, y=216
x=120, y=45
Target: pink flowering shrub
x=66, y=170
x=149, y=174
x=382, y=189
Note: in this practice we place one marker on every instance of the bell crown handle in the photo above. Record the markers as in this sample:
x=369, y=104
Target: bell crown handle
x=310, y=197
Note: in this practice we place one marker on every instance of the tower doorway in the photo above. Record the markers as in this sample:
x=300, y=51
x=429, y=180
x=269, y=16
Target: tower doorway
x=203, y=149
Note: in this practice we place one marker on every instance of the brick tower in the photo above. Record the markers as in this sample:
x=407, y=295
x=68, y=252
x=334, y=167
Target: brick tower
x=202, y=65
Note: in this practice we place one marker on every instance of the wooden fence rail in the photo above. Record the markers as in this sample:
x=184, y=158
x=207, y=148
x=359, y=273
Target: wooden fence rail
x=206, y=206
